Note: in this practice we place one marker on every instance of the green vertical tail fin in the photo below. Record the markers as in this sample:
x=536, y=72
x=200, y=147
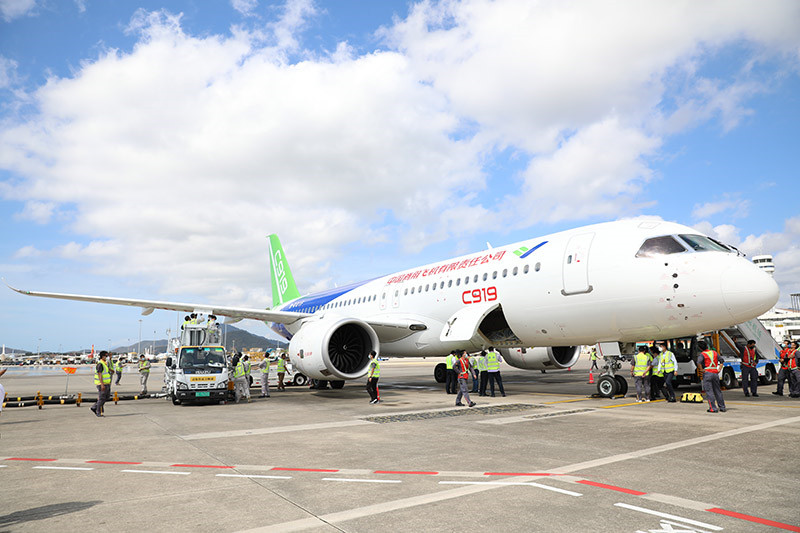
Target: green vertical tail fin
x=283, y=286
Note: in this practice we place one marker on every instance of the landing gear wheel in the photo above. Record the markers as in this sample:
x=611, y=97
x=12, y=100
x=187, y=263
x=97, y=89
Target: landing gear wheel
x=728, y=379
x=607, y=386
x=623, y=385
x=769, y=375
x=175, y=400
x=337, y=384
x=440, y=373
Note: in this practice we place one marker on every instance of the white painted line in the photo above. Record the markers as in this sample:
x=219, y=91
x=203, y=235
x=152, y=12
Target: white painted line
x=671, y=446
x=535, y=417
x=511, y=483
x=684, y=526
x=279, y=429
x=351, y=480
x=62, y=468
x=669, y=516
x=3, y=466
x=156, y=472
x=257, y=476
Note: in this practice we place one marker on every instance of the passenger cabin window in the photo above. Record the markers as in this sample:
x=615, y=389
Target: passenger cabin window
x=700, y=243
x=660, y=246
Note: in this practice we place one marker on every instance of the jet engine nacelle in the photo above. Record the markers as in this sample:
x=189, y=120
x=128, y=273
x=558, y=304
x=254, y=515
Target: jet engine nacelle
x=333, y=348
x=542, y=358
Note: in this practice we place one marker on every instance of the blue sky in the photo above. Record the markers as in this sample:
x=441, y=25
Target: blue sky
x=148, y=148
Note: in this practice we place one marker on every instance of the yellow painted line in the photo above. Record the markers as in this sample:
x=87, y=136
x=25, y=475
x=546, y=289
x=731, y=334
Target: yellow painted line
x=627, y=404
x=764, y=404
x=568, y=401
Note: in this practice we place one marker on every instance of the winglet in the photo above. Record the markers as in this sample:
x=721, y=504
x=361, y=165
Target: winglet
x=283, y=285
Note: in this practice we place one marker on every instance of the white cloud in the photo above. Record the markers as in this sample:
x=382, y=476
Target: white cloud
x=245, y=7
x=175, y=159
x=11, y=9
x=738, y=208
x=39, y=212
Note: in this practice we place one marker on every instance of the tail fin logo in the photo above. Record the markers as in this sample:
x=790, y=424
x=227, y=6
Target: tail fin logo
x=280, y=272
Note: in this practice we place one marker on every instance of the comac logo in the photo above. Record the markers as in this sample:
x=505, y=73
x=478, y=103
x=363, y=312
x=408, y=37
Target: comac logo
x=280, y=273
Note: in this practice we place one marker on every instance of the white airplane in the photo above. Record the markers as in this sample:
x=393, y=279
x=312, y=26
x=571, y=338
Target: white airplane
x=622, y=281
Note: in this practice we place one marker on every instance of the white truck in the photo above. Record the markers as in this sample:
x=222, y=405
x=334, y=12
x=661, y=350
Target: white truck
x=197, y=369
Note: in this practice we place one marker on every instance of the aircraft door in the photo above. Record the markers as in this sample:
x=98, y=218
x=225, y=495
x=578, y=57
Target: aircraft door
x=576, y=265
x=396, y=298
x=384, y=297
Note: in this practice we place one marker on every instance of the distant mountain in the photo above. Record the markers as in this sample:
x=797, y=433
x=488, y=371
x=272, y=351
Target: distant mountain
x=235, y=338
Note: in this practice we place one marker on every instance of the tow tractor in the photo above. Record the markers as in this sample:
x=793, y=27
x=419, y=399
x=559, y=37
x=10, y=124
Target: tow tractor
x=198, y=370
x=728, y=342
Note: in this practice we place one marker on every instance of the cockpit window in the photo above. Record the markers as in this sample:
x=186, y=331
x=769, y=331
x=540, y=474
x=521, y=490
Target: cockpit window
x=700, y=243
x=660, y=246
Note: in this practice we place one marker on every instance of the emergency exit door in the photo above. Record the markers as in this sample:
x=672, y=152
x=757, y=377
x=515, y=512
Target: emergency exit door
x=576, y=265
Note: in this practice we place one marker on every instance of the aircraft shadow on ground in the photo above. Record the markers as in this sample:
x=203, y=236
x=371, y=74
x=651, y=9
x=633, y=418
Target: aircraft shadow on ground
x=45, y=512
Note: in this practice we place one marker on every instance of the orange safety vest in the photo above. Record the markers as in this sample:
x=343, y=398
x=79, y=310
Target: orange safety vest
x=785, y=358
x=711, y=361
x=792, y=363
x=749, y=357
x=464, y=374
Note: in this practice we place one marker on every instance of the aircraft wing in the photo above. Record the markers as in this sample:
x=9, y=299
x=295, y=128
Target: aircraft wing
x=148, y=306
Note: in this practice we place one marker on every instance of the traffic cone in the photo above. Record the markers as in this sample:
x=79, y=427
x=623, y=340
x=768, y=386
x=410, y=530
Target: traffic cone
x=591, y=378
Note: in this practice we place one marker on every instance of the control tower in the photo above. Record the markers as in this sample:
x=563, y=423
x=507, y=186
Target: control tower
x=764, y=262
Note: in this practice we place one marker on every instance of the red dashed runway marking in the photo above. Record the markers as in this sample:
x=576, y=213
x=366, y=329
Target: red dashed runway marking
x=26, y=459
x=757, y=520
x=612, y=487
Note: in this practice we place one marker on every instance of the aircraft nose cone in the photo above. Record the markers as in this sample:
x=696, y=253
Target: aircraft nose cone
x=748, y=292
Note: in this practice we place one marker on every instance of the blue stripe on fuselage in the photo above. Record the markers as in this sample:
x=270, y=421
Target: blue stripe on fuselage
x=305, y=304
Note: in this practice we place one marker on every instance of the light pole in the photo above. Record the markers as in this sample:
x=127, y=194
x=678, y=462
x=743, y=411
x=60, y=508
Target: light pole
x=139, y=346
x=37, y=349
x=153, y=346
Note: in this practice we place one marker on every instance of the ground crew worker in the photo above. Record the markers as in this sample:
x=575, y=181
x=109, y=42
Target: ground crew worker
x=484, y=375
x=186, y=321
x=667, y=364
x=710, y=362
x=450, y=379
x=640, y=371
x=462, y=371
x=794, y=372
x=593, y=357
x=264, y=366
x=238, y=380
x=749, y=372
x=473, y=367
x=281, y=371
x=246, y=365
x=102, y=380
x=212, y=330
x=373, y=375
x=493, y=360
x=2, y=391
x=118, y=364
x=656, y=376
x=144, y=373
x=783, y=373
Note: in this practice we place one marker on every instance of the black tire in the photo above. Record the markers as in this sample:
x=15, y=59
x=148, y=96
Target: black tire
x=769, y=375
x=440, y=373
x=175, y=400
x=299, y=379
x=623, y=385
x=607, y=386
x=337, y=384
x=728, y=379
x=250, y=381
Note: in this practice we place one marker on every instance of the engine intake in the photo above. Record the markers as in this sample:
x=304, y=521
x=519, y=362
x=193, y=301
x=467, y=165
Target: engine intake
x=333, y=348
x=542, y=358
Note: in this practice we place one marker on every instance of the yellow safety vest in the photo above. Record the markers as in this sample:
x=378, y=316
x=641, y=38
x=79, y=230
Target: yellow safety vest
x=449, y=360
x=481, y=363
x=281, y=365
x=376, y=368
x=641, y=360
x=667, y=362
x=106, y=375
x=246, y=368
x=143, y=367
x=239, y=371
x=491, y=361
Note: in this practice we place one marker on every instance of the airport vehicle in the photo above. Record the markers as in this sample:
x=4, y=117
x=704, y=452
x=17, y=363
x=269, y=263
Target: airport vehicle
x=729, y=343
x=199, y=369
x=616, y=282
